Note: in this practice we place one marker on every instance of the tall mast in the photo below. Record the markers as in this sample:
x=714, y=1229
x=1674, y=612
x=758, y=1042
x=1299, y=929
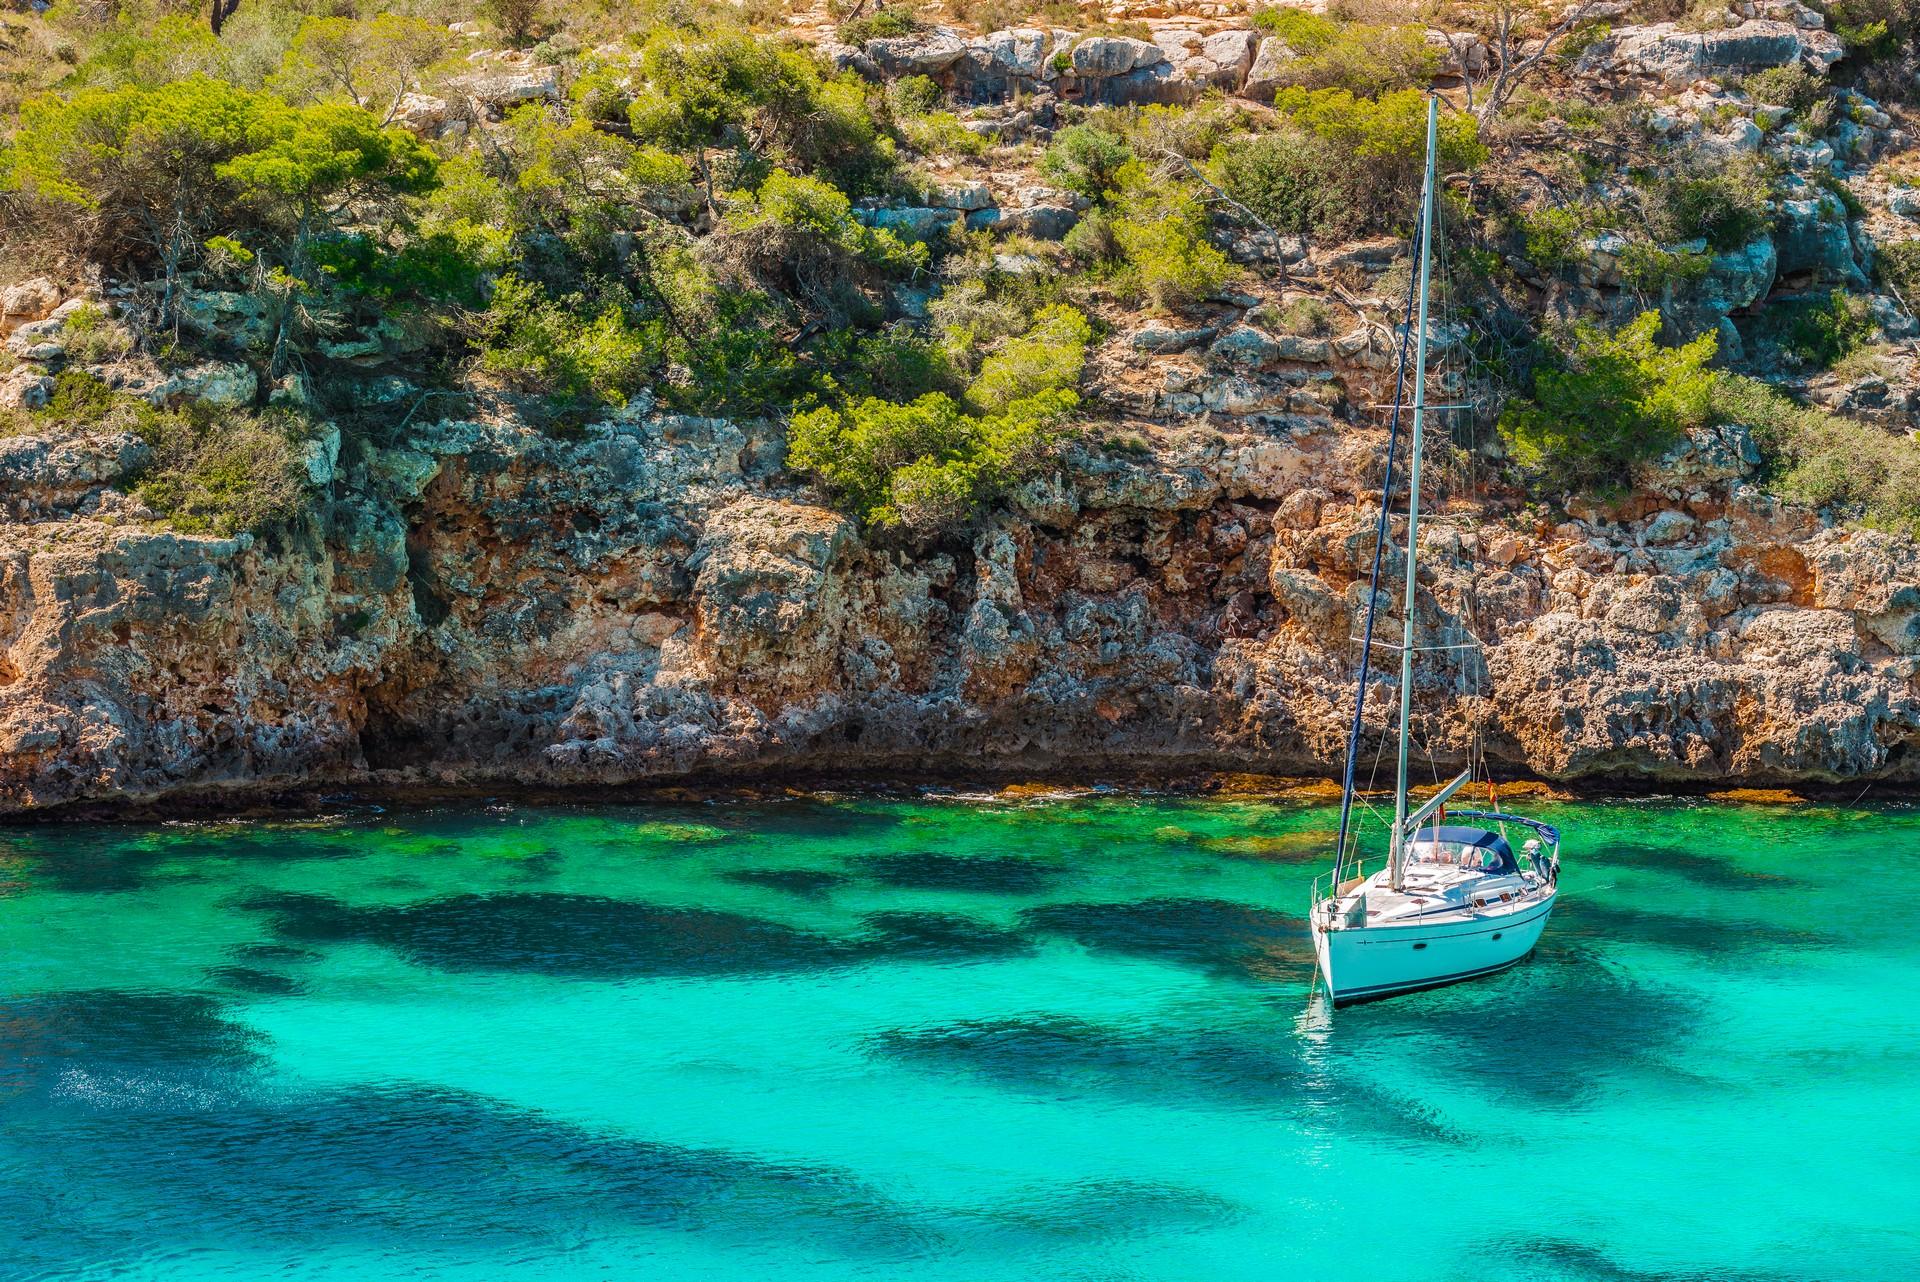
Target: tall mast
x=1413, y=500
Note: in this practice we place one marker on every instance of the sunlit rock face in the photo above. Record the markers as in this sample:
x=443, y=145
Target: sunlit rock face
x=654, y=598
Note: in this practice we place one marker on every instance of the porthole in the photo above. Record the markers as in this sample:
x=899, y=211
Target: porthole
x=1418, y=947
x=1496, y=934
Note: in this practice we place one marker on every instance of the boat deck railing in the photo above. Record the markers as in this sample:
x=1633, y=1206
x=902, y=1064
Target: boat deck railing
x=1356, y=872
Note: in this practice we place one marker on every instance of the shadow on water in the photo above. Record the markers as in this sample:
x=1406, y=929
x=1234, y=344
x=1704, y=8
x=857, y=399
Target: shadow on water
x=1211, y=935
x=407, y=1167
x=1725, y=940
x=591, y=937
x=936, y=936
x=1559, y=1260
x=1560, y=1029
x=283, y=953
x=981, y=874
x=175, y=1041
x=805, y=883
x=1101, y=1210
x=82, y=862
x=1260, y=1069
x=816, y=819
x=1702, y=870
x=249, y=979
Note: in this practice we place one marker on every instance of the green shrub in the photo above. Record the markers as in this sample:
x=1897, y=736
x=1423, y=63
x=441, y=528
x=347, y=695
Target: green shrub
x=1823, y=331
x=1897, y=264
x=1305, y=315
x=1651, y=270
x=794, y=209
x=1355, y=56
x=730, y=89
x=1160, y=228
x=1824, y=459
x=219, y=472
x=1085, y=160
x=877, y=25
x=1605, y=401
x=1556, y=237
x=895, y=364
x=137, y=175
x=940, y=133
x=1292, y=180
x=1380, y=147
x=924, y=465
x=1049, y=355
x=571, y=350
x=914, y=95
x=1796, y=87
x=370, y=63
x=92, y=338
x=1727, y=207
x=1873, y=29
x=79, y=399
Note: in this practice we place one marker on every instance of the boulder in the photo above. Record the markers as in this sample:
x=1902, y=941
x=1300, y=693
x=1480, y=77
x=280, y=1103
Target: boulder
x=966, y=197
x=1163, y=339
x=1812, y=238
x=240, y=318
x=59, y=470
x=27, y=300
x=924, y=53
x=1022, y=53
x=1267, y=73
x=1232, y=52
x=25, y=389
x=913, y=222
x=421, y=114
x=1677, y=58
x=1462, y=53
x=498, y=88
x=1734, y=280
x=1163, y=84
x=1101, y=57
x=1667, y=527
x=1042, y=222
x=219, y=383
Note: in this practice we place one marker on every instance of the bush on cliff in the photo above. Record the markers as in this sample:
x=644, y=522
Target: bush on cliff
x=136, y=176
x=1727, y=205
x=767, y=104
x=215, y=472
x=1375, y=149
x=1160, y=228
x=924, y=465
x=1291, y=180
x=1602, y=401
x=1086, y=160
x=1359, y=57
x=576, y=350
x=1864, y=471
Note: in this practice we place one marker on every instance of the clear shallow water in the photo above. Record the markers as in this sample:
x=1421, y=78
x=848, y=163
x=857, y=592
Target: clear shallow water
x=941, y=1040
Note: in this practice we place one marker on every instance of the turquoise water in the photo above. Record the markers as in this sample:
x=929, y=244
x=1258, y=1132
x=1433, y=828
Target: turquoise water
x=936, y=1039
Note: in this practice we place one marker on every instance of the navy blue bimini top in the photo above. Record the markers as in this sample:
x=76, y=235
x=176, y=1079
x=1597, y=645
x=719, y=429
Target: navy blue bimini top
x=1485, y=839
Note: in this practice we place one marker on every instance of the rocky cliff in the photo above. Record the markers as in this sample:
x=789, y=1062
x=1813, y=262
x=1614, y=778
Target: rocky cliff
x=655, y=597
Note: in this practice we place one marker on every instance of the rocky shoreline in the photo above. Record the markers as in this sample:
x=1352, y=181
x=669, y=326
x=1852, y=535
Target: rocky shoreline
x=652, y=603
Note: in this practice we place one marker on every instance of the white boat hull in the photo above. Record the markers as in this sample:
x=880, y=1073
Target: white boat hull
x=1362, y=963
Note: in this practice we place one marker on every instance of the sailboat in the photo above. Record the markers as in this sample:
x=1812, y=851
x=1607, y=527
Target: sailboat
x=1453, y=900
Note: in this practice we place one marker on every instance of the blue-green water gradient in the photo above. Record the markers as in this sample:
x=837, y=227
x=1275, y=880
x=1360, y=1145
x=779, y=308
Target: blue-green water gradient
x=950, y=1039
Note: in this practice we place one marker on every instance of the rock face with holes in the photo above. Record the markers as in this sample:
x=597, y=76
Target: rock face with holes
x=654, y=599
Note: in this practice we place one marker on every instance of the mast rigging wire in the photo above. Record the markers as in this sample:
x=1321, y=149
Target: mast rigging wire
x=1373, y=579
